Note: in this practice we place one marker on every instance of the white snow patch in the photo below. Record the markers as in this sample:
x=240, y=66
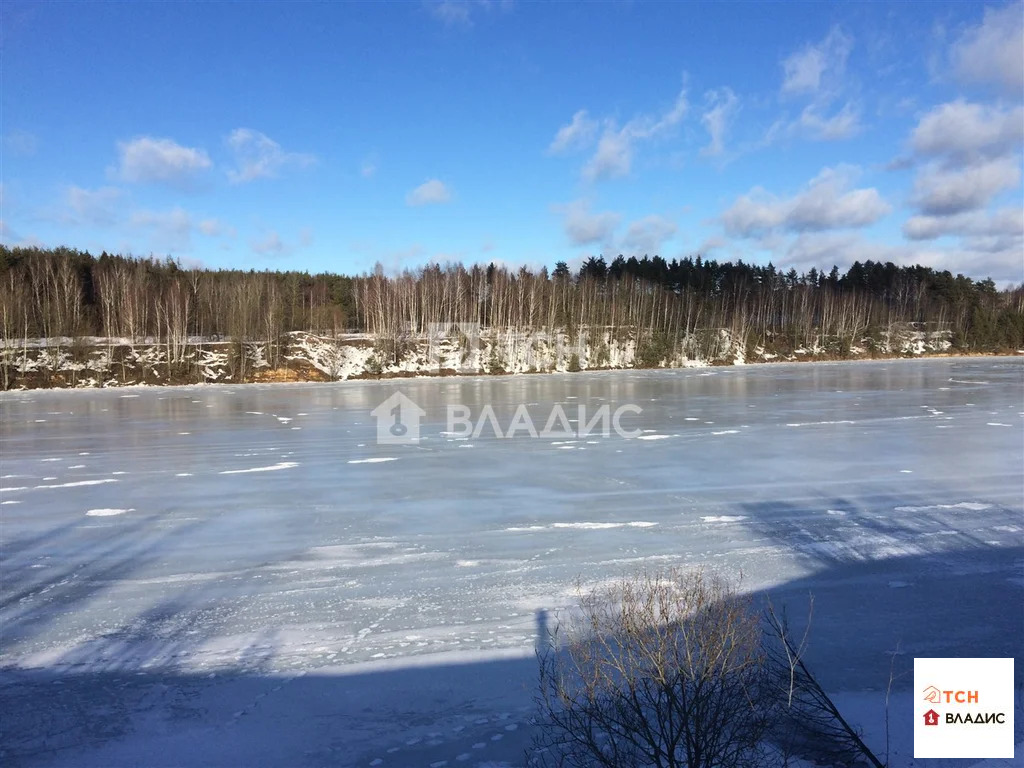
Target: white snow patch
x=79, y=483
x=271, y=468
x=971, y=506
x=654, y=437
x=107, y=512
x=375, y=460
x=584, y=526
x=723, y=518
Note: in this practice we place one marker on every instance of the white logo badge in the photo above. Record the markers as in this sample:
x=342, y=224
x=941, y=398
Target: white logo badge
x=398, y=420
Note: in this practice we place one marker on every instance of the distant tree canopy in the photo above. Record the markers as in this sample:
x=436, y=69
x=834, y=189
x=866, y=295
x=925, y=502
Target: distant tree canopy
x=64, y=292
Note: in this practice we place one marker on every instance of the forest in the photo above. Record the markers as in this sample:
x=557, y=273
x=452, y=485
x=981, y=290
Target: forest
x=60, y=295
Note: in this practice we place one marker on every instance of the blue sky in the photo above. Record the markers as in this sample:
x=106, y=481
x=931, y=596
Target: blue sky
x=331, y=136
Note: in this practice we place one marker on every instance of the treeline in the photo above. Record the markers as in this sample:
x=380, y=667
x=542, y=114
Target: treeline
x=65, y=293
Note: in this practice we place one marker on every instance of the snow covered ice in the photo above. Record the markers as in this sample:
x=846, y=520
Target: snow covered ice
x=222, y=575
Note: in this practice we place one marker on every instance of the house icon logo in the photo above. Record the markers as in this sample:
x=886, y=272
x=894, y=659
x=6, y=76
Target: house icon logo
x=398, y=420
x=931, y=717
x=932, y=695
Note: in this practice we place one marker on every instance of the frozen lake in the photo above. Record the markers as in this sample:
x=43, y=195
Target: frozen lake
x=217, y=575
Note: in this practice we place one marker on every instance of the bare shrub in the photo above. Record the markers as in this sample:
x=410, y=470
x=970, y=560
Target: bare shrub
x=660, y=669
x=810, y=724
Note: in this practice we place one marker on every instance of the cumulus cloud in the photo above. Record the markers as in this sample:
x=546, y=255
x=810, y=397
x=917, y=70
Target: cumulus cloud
x=947, y=191
x=722, y=106
x=432, y=192
x=257, y=156
x=962, y=130
x=97, y=207
x=270, y=244
x=816, y=124
x=575, y=134
x=820, y=127
x=211, y=227
x=822, y=249
x=583, y=227
x=826, y=203
x=992, y=52
x=648, y=235
x=160, y=161
x=613, y=157
x=817, y=67
x=1003, y=223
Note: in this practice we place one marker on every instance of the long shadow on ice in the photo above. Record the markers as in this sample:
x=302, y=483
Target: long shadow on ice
x=423, y=711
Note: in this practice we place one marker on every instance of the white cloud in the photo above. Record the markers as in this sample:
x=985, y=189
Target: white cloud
x=160, y=161
x=20, y=143
x=826, y=203
x=211, y=227
x=992, y=53
x=168, y=231
x=815, y=124
x=269, y=245
x=583, y=227
x=942, y=191
x=962, y=130
x=97, y=207
x=722, y=108
x=823, y=249
x=613, y=158
x=430, y=192
x=460, y=13
x=614, y=155
x=451, y=12
x=842, y=125
x=648, y=235
x=257, y=156
x=368, y=169
x=815, y=68
x=577, y=133
x=1004, y=223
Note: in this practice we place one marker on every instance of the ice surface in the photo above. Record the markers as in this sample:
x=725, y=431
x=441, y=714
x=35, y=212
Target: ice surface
x=275, y=596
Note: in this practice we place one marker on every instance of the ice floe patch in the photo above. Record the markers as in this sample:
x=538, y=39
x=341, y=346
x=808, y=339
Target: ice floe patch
x=819, y=423
x=723, y=518
x=970, y=506
x=584, y=526
x=107, y=512
x=271, y=468
x=375, y=460
x=78, y=483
